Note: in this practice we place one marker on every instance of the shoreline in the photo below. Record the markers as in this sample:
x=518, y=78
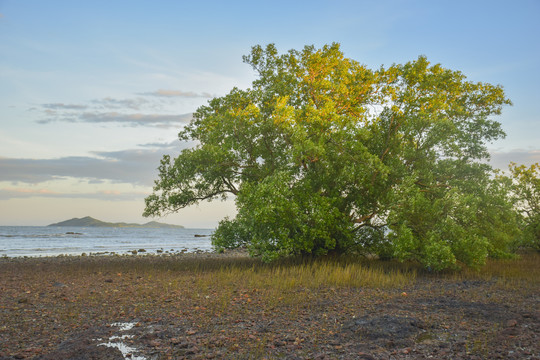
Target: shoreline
x=132, y=255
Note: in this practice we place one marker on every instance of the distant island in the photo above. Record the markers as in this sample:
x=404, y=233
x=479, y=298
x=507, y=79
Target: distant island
x=91, y=222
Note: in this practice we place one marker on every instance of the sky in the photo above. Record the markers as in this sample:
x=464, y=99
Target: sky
x=94, y=93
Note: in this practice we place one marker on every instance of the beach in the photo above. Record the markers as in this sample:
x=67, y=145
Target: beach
x=210, y=305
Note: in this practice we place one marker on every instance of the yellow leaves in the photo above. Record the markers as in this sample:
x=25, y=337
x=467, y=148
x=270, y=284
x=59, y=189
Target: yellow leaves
x=249, y=112
x=521, y=172
x=283, y=112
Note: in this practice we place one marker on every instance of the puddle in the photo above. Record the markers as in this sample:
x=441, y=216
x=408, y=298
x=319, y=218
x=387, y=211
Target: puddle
x=124, y=326
x=115, y=341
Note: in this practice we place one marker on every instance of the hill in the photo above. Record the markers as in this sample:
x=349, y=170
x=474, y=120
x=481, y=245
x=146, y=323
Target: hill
x=91, y=222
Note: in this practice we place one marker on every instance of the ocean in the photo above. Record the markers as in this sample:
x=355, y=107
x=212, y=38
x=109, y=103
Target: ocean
x=35, y=241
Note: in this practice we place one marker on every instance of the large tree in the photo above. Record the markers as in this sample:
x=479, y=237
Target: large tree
x=323, y=155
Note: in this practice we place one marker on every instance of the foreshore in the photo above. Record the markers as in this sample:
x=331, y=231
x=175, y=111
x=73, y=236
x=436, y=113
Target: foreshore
x=212, y=305
x=131, y=254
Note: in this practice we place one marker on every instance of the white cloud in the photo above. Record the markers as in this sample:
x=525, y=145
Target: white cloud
x=501, y=159
x=107, y=195
x=178, y=93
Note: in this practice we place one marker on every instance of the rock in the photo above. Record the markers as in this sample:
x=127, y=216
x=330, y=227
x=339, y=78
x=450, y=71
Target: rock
x=511, y=323
x=84, y=347
x=365, y=356
x=154, y=343
x=385, y=326
x=510, y=331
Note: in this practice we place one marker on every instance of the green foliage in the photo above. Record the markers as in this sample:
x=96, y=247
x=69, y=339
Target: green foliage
x=325, y=155
x=526, y=190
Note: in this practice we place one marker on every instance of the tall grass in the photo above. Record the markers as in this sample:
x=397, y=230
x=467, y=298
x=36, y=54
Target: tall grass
x=291, y=273
x=523, y=272
x=307, y=274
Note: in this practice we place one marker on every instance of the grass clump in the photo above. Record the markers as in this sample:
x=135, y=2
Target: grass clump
x=510, y=274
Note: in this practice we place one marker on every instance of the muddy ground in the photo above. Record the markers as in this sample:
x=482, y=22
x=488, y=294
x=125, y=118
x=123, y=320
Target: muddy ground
x=111, y=308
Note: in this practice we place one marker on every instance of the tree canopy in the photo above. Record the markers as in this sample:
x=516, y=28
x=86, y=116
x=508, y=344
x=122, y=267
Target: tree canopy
x=323, y=154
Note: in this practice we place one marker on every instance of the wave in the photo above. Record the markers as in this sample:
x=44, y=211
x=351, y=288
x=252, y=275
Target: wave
x=39, y=236
x=44, y=241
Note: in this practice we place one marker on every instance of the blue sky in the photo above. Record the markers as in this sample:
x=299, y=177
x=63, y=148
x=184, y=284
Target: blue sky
x=93, y=93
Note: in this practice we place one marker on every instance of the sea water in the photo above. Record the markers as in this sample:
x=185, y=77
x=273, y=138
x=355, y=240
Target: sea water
x=18, y=241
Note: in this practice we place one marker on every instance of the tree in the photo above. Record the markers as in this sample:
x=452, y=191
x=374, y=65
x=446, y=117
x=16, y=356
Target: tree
x=526, y=193
x=326, y=155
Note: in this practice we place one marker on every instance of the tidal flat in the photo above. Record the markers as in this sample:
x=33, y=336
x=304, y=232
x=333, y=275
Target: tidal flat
x=230, y=306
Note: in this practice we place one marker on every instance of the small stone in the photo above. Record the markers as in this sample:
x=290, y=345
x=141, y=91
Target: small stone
x=511, y=323
x=365, y=356
x=406, y=350
x=154, y=343
x=279, y=343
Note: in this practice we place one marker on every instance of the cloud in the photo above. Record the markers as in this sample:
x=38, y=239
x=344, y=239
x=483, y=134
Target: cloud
x=170, y=147
x=137, y=111
x=109, y=195
x=177, y=93
x=111, y=103
x=104, y=103
x=136, y=119
x=61, y=106
x=132, y=166
x=501, y=159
